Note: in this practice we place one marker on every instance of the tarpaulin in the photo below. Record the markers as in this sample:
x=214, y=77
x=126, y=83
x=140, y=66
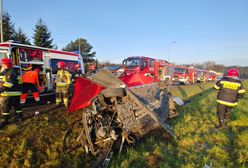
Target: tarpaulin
x=85, y=91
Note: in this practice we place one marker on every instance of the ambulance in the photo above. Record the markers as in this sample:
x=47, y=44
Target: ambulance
x=44, y=58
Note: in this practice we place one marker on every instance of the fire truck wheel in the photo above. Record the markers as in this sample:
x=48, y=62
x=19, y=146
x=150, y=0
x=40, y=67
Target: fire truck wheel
x=113, y=92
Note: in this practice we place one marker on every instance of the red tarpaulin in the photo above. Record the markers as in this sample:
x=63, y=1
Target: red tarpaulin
x=84, y=92
x=137, y=80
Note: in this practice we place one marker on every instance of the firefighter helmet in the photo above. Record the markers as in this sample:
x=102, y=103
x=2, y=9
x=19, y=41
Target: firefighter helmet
x=27, y=67
x=7, y=62
x=77, y=66
x=61, y=64
x=233, y=72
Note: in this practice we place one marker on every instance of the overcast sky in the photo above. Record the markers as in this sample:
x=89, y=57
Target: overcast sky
x=214, y=30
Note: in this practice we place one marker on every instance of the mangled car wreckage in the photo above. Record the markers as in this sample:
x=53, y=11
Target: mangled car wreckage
x=113, y=113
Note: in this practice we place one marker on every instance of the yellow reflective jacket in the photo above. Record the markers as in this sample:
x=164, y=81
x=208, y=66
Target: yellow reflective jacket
x=9, y=83
x=63, y=78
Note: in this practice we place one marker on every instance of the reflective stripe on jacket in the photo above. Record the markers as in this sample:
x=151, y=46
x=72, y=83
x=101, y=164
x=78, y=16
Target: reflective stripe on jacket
x=63, y=78
x=10, y=84
x=11, y=93
x=229, y=90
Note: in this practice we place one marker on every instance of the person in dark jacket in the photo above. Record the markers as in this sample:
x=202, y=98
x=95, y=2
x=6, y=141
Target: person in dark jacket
x=77, y=73
x=230, y=89
x=10, y=92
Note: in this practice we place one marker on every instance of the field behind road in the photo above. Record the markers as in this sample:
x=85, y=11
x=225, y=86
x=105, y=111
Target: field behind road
x=38, y=141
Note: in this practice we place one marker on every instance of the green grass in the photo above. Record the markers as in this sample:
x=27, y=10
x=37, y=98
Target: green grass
x=198, y=141
x=38, y=141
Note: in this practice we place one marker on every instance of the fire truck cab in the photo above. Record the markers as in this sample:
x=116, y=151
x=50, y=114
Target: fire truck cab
x=138, y=70
x=44, y=58
x=212, y=76
x=184, y=75
x=139, y=64
x=133, y=65
x=202, y=76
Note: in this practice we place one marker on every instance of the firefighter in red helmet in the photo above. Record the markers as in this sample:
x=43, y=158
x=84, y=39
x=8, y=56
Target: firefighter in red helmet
x=92, y=69
x=77, y=73
x=63, y=81
x=77, y=66
x=10, y=92
x=230, y=89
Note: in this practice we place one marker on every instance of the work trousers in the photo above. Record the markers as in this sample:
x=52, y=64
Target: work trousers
x=29, y=87
x=9, y=102
x=62, y=94
x=223, y=113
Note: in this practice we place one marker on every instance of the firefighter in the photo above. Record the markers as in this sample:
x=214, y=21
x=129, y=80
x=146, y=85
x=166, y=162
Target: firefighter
x=30, y=83
x=92, y=69
x=203, y=78
x=62, y=84
x=77, y=73
x=230, y=89
x=10, y=92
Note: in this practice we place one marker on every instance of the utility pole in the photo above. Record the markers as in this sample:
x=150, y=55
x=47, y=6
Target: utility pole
x=81, y=57
x=1, y=18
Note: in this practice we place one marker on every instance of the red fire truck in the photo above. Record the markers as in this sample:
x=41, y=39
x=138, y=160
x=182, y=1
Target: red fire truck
x=212, y=76
x=184, y=75
x=206, y=75
x=45, y=58
x=140, y=70
x=202, y=75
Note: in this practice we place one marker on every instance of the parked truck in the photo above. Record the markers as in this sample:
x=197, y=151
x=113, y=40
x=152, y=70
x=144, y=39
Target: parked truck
x=184, y=75
x=140, y=70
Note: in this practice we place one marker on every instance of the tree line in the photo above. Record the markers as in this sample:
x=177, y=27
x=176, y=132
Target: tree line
x=42, y=37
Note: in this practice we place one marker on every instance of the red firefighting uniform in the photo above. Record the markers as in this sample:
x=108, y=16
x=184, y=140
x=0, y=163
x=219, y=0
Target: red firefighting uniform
x=230, y=89
x=30, y=82
x=10, y=92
